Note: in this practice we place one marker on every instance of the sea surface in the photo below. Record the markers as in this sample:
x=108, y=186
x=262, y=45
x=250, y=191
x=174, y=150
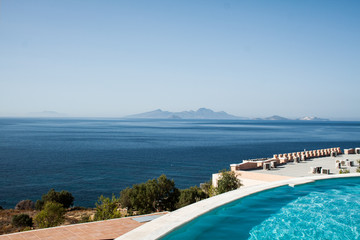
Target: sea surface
x=91, y=157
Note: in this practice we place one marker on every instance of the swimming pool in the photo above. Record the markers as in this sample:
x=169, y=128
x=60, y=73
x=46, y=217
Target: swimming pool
x=326, y=209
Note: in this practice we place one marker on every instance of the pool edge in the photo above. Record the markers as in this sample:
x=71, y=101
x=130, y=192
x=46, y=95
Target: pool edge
x=162, y=226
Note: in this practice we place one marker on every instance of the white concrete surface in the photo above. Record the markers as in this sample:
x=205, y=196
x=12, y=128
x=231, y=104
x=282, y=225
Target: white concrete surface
x=302, y=169
x=165, y=224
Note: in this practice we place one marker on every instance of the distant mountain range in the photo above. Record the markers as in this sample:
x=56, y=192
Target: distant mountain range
x=201, y=113
x=205, y=113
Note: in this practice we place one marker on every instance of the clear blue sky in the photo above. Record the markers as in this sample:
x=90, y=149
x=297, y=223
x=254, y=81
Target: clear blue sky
x=114, y=58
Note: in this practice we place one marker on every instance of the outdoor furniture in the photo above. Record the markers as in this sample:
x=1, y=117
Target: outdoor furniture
x=338, y=165
x=313, y=170
x=349, y=163
x=326, y=171
x=266, y=166
x=273, y=164
x=318, y=169
x=357, y=150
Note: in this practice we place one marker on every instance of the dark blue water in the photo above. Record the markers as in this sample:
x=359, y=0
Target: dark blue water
x=90, y=157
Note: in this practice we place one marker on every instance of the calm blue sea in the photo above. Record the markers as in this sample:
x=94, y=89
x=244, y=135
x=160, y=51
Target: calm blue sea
x=90, y=157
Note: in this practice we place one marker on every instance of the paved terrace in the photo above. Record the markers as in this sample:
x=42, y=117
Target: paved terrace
x=101, y=230
x=296, y=170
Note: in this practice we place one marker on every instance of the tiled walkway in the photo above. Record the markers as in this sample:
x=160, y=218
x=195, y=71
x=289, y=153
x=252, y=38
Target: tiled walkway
x=102, y=230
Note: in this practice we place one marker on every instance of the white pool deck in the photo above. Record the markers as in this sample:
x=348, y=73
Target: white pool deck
x=257, y=180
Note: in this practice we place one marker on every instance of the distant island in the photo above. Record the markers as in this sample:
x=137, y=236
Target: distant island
x=279, y=118
x=201, y=113
x=205, y=113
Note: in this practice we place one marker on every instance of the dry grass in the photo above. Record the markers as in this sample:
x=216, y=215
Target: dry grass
x=71, y=217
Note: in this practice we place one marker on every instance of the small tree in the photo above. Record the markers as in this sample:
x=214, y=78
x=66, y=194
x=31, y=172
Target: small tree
x=106, y=208
x=168, y=194
x=22, y=220
x=64, y=197
x=52, y=215
x=125, y=199
x=154, y=195
x=227, y=181
x=39, y=205
x=191, y=195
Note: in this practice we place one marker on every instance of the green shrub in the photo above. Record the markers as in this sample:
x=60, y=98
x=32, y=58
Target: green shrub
x=64, y=197
x=208, y=188
x=344, y=171
x=22, y=220
x=155, y=195
x=190, y=195
x=27, y=229
x=358, y=169
x=227, y=181
x=39, y=204
x=52, y=215
x=85, y=219
x=106, y=208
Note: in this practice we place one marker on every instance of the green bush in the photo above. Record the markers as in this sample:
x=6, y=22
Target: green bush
x=39, y=205
x=191, y=195
x=64, y=197
x=227, y=182
x=153, y=196
x=106, y=208
x=52, y=215
x=85, y=219
x=22, y=220
x=344, y=171
x=208, y=188
x=358, y=169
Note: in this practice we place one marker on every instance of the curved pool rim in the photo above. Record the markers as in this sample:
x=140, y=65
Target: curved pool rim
x=162, y=226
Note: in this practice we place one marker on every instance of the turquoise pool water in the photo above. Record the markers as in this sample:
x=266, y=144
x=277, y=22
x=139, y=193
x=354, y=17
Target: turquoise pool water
x=326, y=209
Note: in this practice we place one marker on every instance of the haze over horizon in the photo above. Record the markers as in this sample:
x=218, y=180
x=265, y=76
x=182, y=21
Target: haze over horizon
x=117, y=58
